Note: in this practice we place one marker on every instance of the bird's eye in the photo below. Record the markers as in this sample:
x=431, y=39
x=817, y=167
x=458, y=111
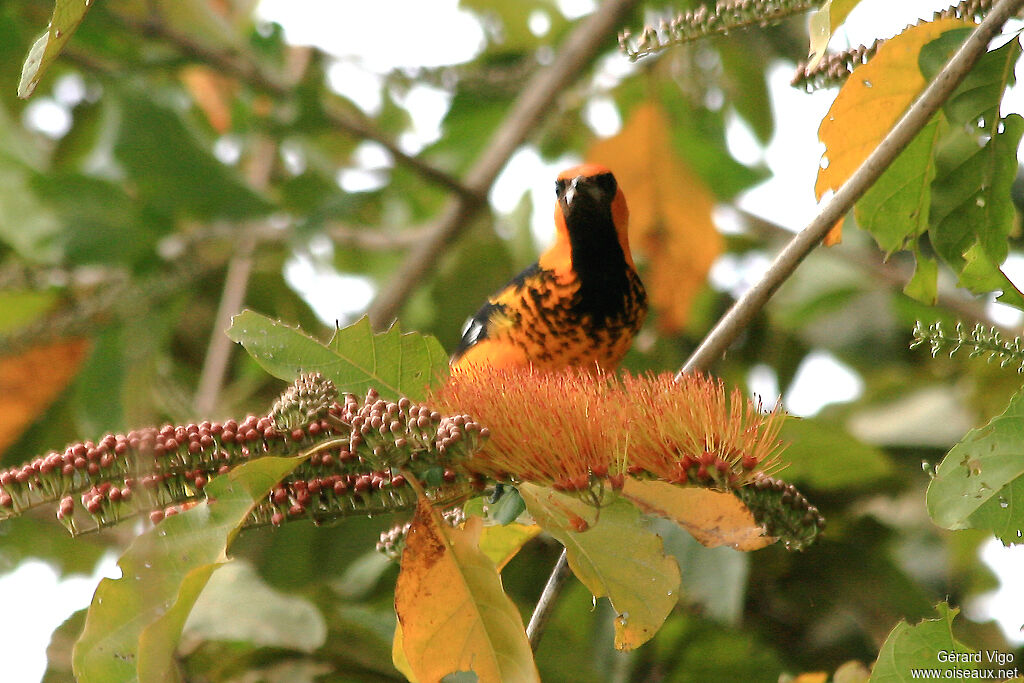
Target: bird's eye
x=606, y=181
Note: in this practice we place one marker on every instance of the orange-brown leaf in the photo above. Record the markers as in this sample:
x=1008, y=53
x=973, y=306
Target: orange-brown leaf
x=453, y=612
x=670, y=212
x=31, y=381
x=870, y=102
x=812, y=677
x=714, y=518
x=212, y=93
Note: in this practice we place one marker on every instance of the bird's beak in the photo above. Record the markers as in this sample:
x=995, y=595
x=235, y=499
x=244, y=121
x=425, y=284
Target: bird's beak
x=570, y=193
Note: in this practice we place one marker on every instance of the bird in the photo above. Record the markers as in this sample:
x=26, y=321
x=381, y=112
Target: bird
x=581, y=303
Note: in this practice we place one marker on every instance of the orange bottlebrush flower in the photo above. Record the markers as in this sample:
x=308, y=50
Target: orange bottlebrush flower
x=571, y=428
x=545, y=427
x=693, y=431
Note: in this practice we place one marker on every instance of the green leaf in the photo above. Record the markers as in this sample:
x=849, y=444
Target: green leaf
x=368, y=638
x=896, y=208
x=917, y=647
x=980, y=482
x=98, y=216
x=746, y=85
x=971, y=210
x=467, y=128
x=135, y=621
x=27, y=224
x=981, y=92
x=33, y=537
x=500, y=543
x=260, y=615
x=924, y=285
x=823, y=23
x=698, y=137
x=514, y=18
x=699, y=650
x=58, y=653
x=460, y=284
x=67, y=15
x=713, y=578
x=393, y=363
x=615, y=557
x=20, y=307
x=825, y=456
x=507, y=508
x=174, y=170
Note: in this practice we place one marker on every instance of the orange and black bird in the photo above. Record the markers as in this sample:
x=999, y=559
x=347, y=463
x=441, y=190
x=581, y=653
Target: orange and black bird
x=581, y=303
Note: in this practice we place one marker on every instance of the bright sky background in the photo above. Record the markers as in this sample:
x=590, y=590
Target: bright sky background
x=404, y=36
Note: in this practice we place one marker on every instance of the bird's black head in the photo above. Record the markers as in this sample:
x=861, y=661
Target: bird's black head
x=592, y=212
x=586, y=189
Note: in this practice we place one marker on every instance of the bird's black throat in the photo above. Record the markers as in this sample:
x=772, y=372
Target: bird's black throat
x=606, y=279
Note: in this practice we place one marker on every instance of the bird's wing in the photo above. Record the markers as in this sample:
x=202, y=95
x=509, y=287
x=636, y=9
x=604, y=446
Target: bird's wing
x=496, y=315
x=488, y=323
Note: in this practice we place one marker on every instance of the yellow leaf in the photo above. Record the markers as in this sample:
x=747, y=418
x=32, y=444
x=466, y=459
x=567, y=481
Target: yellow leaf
x=501, y=542
x=452, y=609
x=823, y=23
x=614, y=556
x=31, y=381
x=851, y=672
x=870, y=102
x=714, y=518
x=398, y=657
x=670, y=212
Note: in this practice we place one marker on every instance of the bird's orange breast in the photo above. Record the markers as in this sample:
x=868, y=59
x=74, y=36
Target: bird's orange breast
x=541, y=324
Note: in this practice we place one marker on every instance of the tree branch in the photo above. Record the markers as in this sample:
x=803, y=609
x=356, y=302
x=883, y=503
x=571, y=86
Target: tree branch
x=910, y=124
x=890, y=272
x=546, y=602
x=536, y=99
x=215, y=364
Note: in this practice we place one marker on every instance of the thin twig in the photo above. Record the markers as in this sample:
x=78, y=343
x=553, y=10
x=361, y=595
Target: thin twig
x=535, y=101
x=910, y=124
x=374, y=240
x=546, y=602
x=721, y=18
x=110, y=298
x=891, y=273
x=215, y=363
x=236, y=281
